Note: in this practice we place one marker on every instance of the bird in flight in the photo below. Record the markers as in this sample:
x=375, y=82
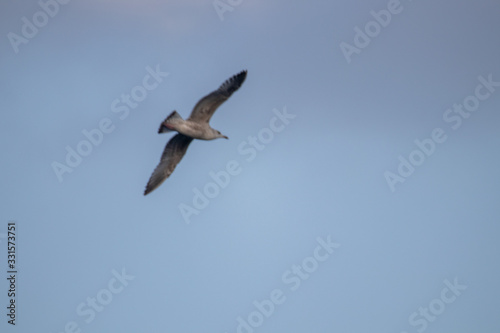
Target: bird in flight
x=194, y=127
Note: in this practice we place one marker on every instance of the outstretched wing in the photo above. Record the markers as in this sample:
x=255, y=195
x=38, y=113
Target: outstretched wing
x=206, y=107
x=173, y=153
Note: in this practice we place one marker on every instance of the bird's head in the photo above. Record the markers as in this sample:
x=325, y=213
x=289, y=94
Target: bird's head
x=219, y=135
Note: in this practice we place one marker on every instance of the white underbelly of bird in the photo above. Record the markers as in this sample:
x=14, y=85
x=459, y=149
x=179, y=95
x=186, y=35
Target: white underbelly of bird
x=195, y=130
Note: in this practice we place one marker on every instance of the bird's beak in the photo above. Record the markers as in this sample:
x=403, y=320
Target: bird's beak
x=225, y=137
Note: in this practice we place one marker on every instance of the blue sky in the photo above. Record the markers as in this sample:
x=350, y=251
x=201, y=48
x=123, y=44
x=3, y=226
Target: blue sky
x=370, y=207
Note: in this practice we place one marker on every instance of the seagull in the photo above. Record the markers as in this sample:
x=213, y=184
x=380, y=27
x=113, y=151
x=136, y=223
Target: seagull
x=194, y=127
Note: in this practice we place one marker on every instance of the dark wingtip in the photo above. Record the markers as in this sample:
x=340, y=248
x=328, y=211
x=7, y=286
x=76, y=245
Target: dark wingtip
x=241, y=76
x=148, y=189
x=235, y=82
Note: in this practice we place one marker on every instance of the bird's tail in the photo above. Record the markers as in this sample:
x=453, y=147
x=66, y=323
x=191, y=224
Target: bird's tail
x=170, y=123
